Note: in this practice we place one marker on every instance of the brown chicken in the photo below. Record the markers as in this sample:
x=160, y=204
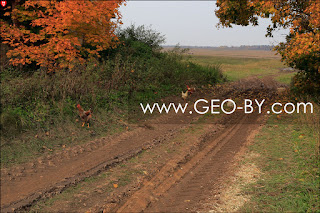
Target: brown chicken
x=84, y=115
x=191, y=90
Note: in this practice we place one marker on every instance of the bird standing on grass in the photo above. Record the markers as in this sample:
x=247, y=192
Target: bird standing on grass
x=84, y=115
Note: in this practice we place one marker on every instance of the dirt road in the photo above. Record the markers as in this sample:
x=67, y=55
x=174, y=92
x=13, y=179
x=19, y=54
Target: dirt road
x=189, y=183
x=179, y=184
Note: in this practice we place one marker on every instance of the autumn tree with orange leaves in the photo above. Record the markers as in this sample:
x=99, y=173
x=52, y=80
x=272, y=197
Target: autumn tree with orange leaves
x=59, y=34
x=302, y=47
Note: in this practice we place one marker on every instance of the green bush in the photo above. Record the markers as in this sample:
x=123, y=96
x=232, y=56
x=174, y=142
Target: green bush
x=306, y=84
x=141, y=41
x=11, y=123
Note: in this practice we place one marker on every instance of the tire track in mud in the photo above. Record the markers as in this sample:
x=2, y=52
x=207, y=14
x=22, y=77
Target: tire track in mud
x=53, y=174
x=176, y=183
x=206, y=175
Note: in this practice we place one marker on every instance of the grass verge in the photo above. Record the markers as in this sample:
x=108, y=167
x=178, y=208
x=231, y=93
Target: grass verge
x=288, y=157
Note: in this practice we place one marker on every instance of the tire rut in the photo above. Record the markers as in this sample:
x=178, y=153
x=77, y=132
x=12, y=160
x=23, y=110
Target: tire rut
x=205, y=176
x=54, y=173
x=177, y=185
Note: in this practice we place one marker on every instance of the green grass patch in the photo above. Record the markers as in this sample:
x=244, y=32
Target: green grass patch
x=236, y=68
x=289, y=161
x=285, y=78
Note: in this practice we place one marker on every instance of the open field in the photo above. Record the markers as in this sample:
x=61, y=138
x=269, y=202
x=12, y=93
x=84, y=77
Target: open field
x=239, y=64
x=265, y=54
x=230, y=52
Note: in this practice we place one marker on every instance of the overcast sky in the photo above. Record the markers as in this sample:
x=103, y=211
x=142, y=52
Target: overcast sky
x=194, y=24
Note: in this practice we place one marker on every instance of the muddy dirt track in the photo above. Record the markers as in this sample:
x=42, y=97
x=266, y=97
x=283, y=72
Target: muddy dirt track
x=181, y=182
x=181, y=187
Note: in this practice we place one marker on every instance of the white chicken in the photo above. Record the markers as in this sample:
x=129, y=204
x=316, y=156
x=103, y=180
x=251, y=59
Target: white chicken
x=184, y=95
